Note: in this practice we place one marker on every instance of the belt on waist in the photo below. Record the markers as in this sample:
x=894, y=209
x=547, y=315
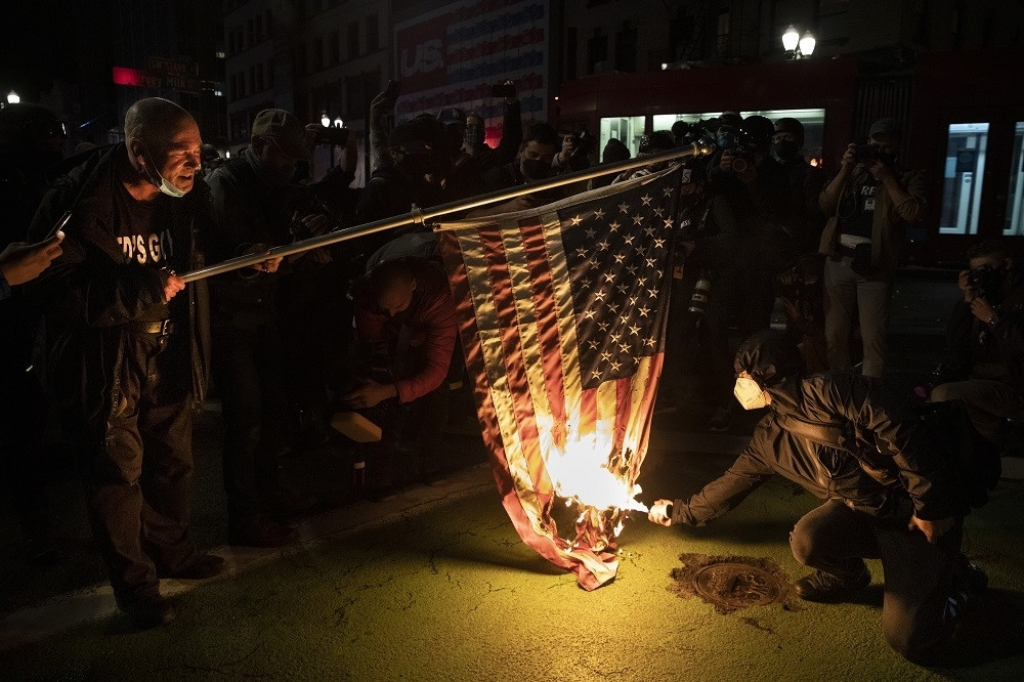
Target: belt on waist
x=155, y=328
x=848, y=251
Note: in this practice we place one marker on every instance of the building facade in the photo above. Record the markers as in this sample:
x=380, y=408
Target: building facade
x=936, y=65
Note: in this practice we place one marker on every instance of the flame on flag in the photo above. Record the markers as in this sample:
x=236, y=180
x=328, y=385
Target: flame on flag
x=562, y=312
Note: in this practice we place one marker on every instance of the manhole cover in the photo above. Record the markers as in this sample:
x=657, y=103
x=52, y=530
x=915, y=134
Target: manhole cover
x=735, y=585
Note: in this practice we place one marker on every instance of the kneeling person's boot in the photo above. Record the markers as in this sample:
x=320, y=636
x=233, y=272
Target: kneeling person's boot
x=827, y=587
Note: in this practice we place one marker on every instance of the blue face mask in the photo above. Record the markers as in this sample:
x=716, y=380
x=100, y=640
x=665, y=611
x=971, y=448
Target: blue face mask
x=160, y=181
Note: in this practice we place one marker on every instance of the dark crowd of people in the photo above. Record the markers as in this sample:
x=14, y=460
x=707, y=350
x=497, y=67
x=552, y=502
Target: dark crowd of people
x=356, y=342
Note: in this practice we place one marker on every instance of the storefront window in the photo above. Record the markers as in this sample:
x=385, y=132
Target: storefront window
x=962, y=179
x=1015, y=195
x=812, y=119
x=626, y=129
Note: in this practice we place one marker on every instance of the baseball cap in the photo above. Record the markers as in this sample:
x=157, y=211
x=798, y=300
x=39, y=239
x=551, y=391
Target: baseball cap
x=789, y=125
x=452, y=115
x=284, y=129
x=889, y=126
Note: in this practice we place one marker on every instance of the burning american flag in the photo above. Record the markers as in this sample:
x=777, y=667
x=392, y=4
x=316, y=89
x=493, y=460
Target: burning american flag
x=562, y=312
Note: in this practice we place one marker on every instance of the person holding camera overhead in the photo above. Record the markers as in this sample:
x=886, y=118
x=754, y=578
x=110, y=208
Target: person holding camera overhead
x=255, y=208
x=984, y=365
x=869, y=201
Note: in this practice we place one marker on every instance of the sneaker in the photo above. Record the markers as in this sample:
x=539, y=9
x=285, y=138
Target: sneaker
x=201, y=567
x=827, y=587
x=261, y=533
x=721, y=420
x=149, y=611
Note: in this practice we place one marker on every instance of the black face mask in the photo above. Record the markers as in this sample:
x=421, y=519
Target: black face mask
x=474, y=135
x=786, y=150
x=536, y=169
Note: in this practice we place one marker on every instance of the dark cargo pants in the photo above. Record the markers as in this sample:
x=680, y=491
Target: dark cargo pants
x=916, y=617
x=138, y=473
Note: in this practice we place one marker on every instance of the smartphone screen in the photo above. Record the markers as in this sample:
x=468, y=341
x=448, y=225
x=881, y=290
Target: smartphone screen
x=58, y=226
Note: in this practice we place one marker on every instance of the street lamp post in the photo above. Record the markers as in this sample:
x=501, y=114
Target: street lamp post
x=12, y=97
x=797, y=46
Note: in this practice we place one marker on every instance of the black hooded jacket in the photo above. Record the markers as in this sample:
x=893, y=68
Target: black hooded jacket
x=874, y=455
x=886, y=470
x=92, y=291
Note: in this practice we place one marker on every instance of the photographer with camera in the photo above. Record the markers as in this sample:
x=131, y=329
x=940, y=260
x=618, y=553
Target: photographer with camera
x=984, y=365
x=869, y=200
x=255, y=206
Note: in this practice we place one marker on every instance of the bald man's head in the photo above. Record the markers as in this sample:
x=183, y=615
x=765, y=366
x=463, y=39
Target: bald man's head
x=393, y=284
x=164, y=144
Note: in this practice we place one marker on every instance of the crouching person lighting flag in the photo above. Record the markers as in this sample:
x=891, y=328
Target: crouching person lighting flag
x=562, y=311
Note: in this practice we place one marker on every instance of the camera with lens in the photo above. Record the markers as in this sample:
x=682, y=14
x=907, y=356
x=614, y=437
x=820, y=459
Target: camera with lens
x=866, y=153
x=740, y=143
x=986, y=282
x=331, y=135
x=791, y=283
x=506, y=89
x=701, y=294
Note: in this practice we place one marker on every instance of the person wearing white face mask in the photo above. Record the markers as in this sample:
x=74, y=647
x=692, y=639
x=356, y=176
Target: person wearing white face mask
x=887, y=493
x=128, y=354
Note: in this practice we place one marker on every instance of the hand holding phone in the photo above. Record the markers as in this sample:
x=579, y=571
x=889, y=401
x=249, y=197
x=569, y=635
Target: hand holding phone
x=58, y=226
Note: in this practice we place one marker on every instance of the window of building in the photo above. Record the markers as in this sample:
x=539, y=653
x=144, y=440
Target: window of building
x=962, y=179
x=570, y=52
x=597, y=52
x=318, y=54
x=813, y=121
x=372, y=33
x=355, y=99
x=259, y=28
x=270, y=22
x=353, y=40
x=334, y=48
x=921, y=22
x=626, y=129
x=626, y=48
x=252, y=80
x=300, y=60
x=270, y=73
x=259, y=78
x=250, y=33
x=722, y=35
x=1015, y=192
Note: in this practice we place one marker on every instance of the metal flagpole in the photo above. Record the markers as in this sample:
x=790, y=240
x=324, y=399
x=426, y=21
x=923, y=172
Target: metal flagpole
x=695, y=149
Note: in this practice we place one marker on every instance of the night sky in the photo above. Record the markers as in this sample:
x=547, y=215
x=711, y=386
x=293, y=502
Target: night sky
x=37, y=48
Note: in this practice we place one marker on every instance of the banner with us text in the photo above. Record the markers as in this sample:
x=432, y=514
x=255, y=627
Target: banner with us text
x=453, y=55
